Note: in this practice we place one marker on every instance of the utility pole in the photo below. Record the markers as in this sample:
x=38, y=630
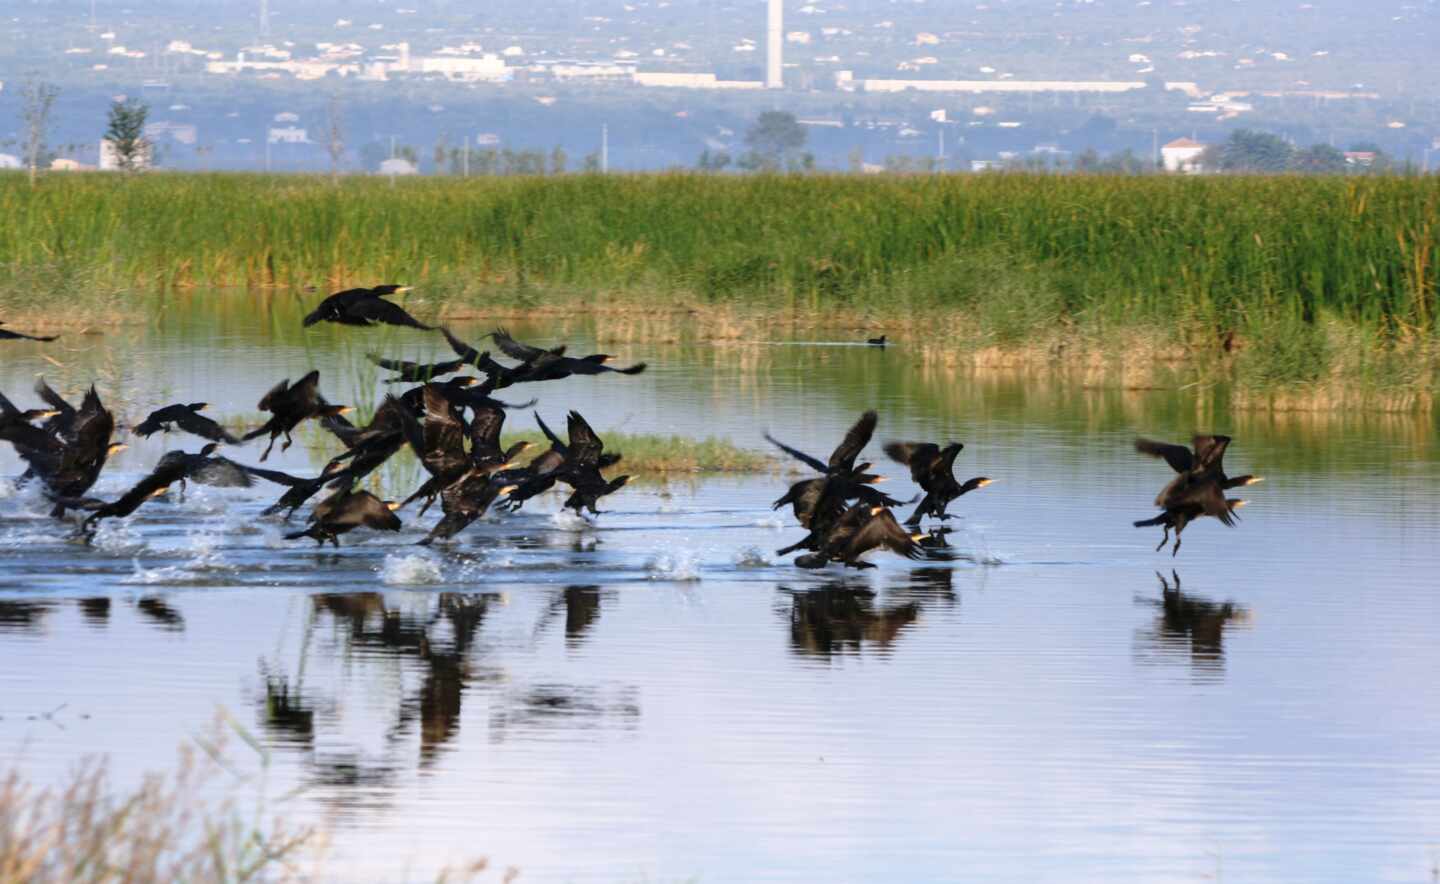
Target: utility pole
x=604, y=148
x=1154, y=149
x=465, y=159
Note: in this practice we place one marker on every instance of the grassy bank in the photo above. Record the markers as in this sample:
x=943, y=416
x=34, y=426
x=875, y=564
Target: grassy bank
x=1282, y=282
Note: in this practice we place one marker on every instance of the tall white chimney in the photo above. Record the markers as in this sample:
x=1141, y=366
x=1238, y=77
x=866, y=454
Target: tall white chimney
x=774, y=44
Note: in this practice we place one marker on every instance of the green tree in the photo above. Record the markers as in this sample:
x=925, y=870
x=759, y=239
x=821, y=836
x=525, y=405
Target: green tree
x=713, y=162
x=558, y=160
x=1249, y=151
x=776, y=142
x=1318, y=159
x=591, y=165
x=125, y=132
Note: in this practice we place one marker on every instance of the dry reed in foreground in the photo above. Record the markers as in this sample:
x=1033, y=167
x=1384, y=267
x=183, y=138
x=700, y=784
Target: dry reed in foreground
x=206, y=821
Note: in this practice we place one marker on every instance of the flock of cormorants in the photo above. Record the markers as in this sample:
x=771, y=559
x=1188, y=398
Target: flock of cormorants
x=846, y=517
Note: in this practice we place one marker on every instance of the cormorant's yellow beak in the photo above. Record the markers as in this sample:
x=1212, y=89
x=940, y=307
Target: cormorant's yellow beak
x=876, y=510
x=392, y=505
x=508, y=488
x=159, y=491
x=346, y=409
x=51, y=413
x=877, y=480
x=405, y=288
x=984, y=482
x=1240, y=503
x=1255, y=479
x=116, y=447
x=918, y=537
x=468, y=381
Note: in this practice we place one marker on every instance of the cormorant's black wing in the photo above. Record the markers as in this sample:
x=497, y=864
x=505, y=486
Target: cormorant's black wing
x=801, y=456
x=1177, y=456
x=854, y=442
x=380, y=311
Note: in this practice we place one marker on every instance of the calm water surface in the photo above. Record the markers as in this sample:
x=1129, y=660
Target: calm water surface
x=658, y=697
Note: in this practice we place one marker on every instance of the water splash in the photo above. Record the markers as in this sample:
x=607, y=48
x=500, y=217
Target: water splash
x=567, y=520
x=411, y=569
x=772, y=523
x=752, y=557
x=679, y=567
x=117, y=538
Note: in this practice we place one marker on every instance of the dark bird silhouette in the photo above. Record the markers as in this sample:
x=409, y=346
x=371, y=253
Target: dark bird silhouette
x=467, y=499
x=415, y=372
x=536, y=364
x=842, y=459
x=365, y=307
x=1198, y=488
x=301, y=490
x=187, y=418
x=178, y=467
x=807, y=496
x=877, y=342
x=933, y=469
x=863, y=528
x=7, y=335
x=8, y=411
x=346, y=510
x=500, y=376
x=291, y=405
x=68, y=461
x=439, y=443
x=820, y=503
x=578, y=463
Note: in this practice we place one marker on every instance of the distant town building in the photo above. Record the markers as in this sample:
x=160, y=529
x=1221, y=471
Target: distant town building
x=976, y=86
x=10, y=161
x=677, y=80
x=288, y=135
x=110, y=160
x=1362, y=159
x=65, y=164
x=1182, y=155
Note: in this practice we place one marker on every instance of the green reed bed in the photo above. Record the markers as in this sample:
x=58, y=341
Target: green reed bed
x=1202, y=260
x=648, y=453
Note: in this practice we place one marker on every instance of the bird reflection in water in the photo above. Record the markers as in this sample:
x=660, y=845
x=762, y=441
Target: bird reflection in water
x=96, y=611
x=545, y=706
x=440, y=639
x=841, y=617
x=581, y=605
x=161, y=613
x=18, y=615
x=1191, y=624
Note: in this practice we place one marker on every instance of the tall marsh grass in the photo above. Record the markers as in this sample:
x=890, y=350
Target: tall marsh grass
x=1211, y=260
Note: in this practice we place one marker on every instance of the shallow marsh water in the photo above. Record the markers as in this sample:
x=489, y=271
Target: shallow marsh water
x=657, y=697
